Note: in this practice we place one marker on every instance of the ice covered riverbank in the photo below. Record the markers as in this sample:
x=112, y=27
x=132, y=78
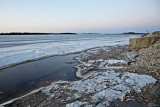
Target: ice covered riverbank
x=98, y=90
x=102, y=88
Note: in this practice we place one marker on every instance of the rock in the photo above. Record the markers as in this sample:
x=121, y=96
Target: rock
x=142, y=42
x=85, y=71
x=132, y=56
x=145, y=34
x=157, y=33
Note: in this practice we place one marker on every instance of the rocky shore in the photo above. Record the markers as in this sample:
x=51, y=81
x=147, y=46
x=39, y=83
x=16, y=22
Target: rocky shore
x=111, y=76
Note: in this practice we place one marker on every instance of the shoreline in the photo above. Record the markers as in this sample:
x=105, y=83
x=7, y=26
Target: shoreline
x=29, y=33
x=37, y=33
x=144, y=79
x=24, y=78
x=74, y=58
x=40, y=58
x=52, y=56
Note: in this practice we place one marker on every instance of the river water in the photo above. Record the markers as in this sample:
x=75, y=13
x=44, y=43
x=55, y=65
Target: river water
x=19, y=48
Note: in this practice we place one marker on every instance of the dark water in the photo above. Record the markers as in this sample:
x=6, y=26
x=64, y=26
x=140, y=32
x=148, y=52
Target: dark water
x=21, y=79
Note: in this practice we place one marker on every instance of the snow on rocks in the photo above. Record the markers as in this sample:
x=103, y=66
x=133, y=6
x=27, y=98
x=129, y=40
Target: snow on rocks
x=55, y=85
x=76, y=104
x=116, y=61
x=86, y=69
x=101, y=87
x=111, y=85
x=132, y=56
x=109, y=64
x=98, y=90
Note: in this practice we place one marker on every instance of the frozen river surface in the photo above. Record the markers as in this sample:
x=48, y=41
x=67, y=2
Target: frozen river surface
x=19, y=48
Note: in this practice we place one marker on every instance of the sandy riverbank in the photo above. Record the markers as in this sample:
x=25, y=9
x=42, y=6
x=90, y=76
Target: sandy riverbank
x=112, y=79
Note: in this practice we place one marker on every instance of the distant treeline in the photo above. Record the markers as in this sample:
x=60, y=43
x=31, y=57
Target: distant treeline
x=132, y=33
x=126, y=33
x=28, y=33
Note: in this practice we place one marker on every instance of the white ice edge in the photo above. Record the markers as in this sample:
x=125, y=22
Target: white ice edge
x=78, y=74
x=10, y=101
x=43, y=89
x=17, y=54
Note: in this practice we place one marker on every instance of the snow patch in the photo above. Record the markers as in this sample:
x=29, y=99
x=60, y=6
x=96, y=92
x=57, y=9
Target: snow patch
x=79, y=75
x=106, y=85
x=54, y=85
x=111, y=85
x=104, y=64
x=114, y=61
x=76, y=104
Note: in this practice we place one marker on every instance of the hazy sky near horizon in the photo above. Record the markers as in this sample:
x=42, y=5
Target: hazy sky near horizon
x=104, y=16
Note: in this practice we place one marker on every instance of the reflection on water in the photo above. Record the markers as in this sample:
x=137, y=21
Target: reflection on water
x=20, y=79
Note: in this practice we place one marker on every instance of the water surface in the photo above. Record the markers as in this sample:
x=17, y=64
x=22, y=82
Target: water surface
x=21, y=79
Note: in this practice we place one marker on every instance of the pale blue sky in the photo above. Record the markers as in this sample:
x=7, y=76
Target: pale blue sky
x=104, y=16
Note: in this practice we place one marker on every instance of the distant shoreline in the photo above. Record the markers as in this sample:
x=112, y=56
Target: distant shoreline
x=128, y=33
x=30, y=33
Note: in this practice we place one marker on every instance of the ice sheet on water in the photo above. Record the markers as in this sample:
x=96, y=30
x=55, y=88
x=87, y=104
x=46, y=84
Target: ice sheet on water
x=38, y=48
